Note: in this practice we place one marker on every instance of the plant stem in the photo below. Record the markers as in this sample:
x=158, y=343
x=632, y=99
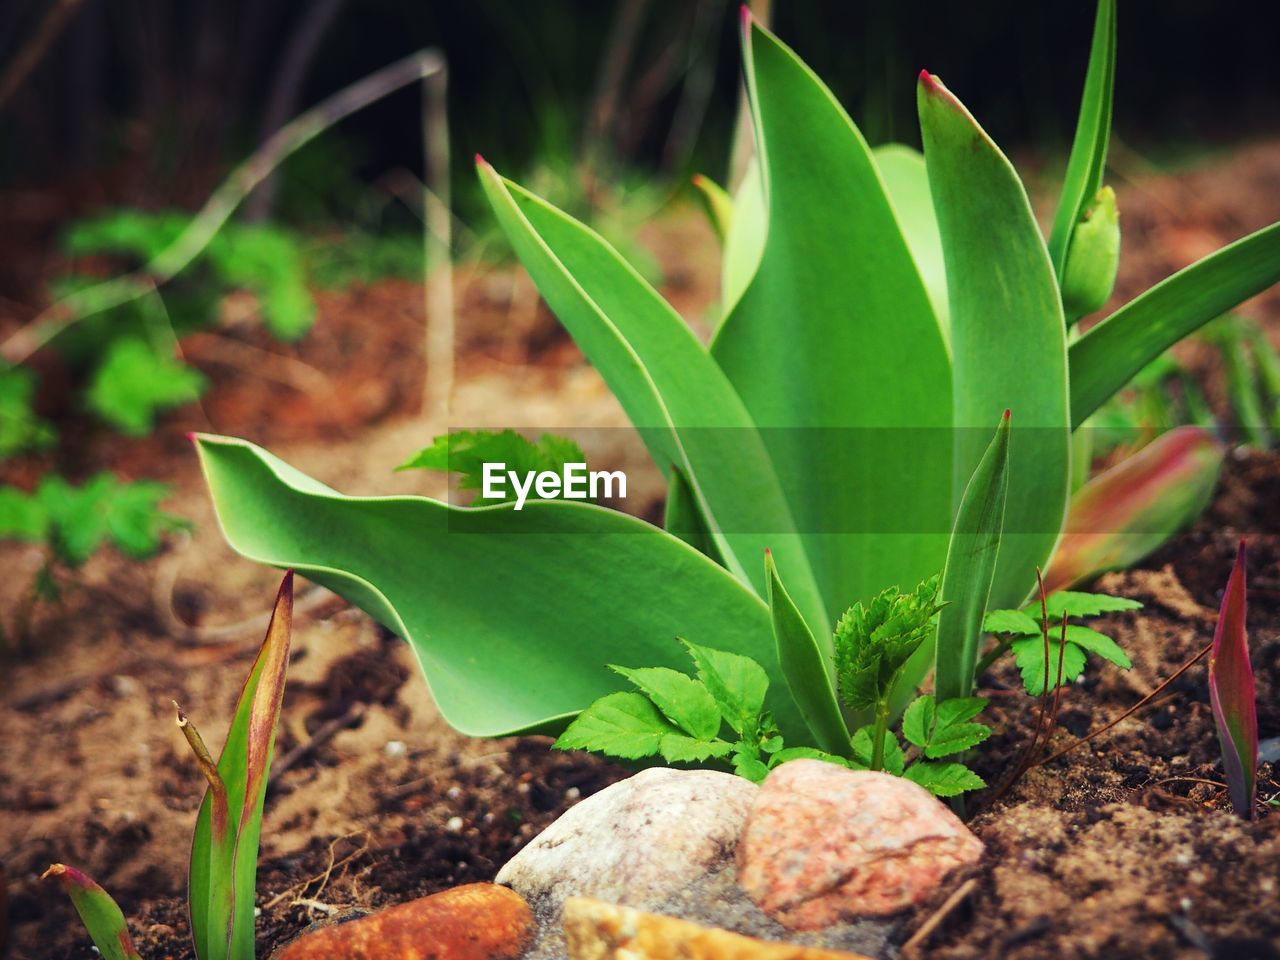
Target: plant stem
x=877, y=737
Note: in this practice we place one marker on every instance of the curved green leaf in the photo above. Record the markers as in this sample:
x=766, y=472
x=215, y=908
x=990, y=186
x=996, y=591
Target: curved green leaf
x=744, y=240
x=907, y=180
x=1093, y=131
x=98, y=911
x=1111, y=353
x=1232, y=692
x=681, y=402
x=1008, y=336
x=834, y=347
x=807, y=668
x=971, y=568
x=716, y=203
x=512, y=616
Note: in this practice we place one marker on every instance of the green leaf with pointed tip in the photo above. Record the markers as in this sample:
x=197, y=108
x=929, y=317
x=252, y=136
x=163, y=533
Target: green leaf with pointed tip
x=834, y=346
x=716, y=203
x=681, y=402
x=683, y=700
x=1010, y=621
x=1093, y=131
x=738, y=684
x=621, y=589
x=1008, y=336
x=1029, y=655
x=807, y=668
x=98, y=911
x=945, y=779
x=216, y=866
x=625, y=725
x=1077, y=604
x=907, y=181
x=971, y=569
x=1111, y=353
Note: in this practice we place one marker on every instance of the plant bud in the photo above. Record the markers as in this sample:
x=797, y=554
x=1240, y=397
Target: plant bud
x=1092, y=258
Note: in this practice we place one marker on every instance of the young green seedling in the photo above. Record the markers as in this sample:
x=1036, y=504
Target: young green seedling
x=224, y=846
x=1231, y=693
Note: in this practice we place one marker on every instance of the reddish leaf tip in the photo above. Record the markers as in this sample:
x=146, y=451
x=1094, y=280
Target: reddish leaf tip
x=745, y=13
x=55, y=870
x=1007, y=414
x=482, y=162
x=768, y=552
x=191, y=436
x=697, y=179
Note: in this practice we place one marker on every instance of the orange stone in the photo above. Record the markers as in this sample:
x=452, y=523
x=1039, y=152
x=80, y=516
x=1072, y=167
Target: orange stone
x=479, y=921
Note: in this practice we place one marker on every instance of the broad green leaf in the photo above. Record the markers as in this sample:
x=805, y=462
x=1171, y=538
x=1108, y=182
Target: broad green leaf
x=907, y=181
x=512, y=616
x=135, y=382
x=738, y=684
x=1010, y=621
x=806, y=666
x=1124, y=513
x=243, y=768
x=1091, y=641
x=682, y=404
x=716, y=202
x=625, y=725
x=1232, y=692
x=1029, y=654
x=678, y=748
x=944, y=779
x=894, y=760
x=834, y=346
x=1008, y=336
x=1093, y=131
x=683, y=700
x=1110, y=353
x=1077, y=604
x=971, y=569
x=744, y=241
x=100, y=914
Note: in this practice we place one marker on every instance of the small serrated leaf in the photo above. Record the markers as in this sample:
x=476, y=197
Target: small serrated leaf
x=1075, y=603
x=1029, y=654
x=956, y=738
x=805, y=753
x=737, y=683
x=625, y=725
x=944, y=779
x=1010, y=621
x=684, y=701
x=1091, y=641
x=917, y=721
x=678, y=748
x=134, y=382
x=750, y=768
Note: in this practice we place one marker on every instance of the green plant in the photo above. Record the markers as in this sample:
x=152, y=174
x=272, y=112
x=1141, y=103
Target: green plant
x=1232, y=695
x=224, y=846
x=880, y=311
x=1022, y=631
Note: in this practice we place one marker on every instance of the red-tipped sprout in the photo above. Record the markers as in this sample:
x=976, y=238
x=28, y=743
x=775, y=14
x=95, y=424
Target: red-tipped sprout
x=1231, y=692
x=102, y=917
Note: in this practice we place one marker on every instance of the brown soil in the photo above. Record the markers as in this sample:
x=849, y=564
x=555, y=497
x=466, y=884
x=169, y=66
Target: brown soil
x=1114, y=851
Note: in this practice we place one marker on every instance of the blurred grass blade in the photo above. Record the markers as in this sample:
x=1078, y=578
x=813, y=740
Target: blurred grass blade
x=744, y=241
x=834, y=346
x=243, y=768
x=581, y=587
x=1111, y=353
x=1093, y=131
x=1232, y=694
x=716, y=203
x=683, y=405
x=1124, y=513
x=1243, y=385
x=971, y=568
x=101, y=916
x=1008, y=336
x=808, y=669
x=1268, y=361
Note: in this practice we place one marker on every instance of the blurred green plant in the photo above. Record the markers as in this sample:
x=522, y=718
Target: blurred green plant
x=224, y=848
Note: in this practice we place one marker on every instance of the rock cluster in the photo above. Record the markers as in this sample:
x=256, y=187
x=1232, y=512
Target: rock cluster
x=695, y=865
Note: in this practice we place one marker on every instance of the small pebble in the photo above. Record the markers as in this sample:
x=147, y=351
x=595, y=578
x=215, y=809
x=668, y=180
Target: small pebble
x=454, y=825
x=395, y=748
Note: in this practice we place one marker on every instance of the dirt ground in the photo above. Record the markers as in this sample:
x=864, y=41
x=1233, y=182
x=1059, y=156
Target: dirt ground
x=1119, y=850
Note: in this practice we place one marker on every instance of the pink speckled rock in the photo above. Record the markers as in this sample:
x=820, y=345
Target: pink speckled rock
x=824, y=844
